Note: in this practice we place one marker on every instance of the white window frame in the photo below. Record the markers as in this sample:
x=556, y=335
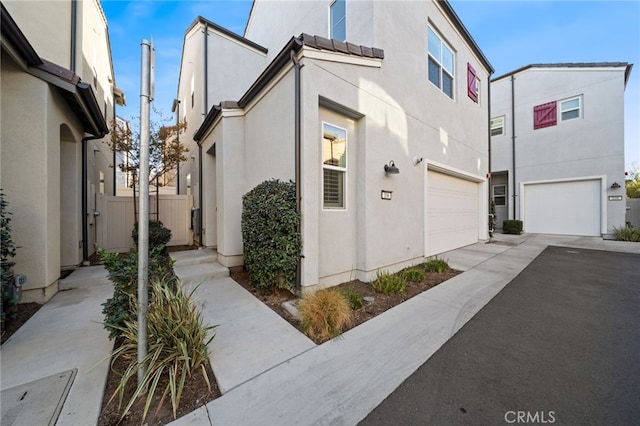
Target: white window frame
x=578, y=108
x=343, y=170
x=501, y=127
x=439, y=62
x=493, y=194
x=342, y=21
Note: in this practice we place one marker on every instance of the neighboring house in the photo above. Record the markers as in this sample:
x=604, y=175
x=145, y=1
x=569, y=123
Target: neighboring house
x=58, y=95
x=342, y=95
x=557, y=147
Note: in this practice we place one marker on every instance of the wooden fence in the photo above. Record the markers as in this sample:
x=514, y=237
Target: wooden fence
x=117, y=217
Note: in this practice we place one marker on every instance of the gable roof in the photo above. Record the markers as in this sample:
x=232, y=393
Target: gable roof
x=201, y=20
x=293, y=46
x=78, y=95
x=573, y=65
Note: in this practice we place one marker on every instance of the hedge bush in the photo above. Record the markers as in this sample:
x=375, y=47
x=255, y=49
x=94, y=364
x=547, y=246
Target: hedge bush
x=8, y=251
x=158, y=234
x=272, y=243
x=512, y=227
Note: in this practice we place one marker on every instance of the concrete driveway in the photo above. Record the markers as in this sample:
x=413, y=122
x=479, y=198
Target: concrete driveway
x=559, y=344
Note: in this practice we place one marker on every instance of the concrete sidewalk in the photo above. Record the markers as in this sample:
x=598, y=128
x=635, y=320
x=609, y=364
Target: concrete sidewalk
x=269, y=372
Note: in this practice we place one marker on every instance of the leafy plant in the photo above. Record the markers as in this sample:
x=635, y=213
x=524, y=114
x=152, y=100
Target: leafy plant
x=627, y=233
x=123, y=273
x=436, y=264
x=413, y=274
x=387, y=283
x=272, y=243
x=7, y=251
x=353, y=297
x=158, y=234
x=177, y=348
x=325, y=314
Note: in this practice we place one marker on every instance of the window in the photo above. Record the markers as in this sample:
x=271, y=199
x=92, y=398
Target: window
x=193, y=92
x=473, y=86
x=570, y=108
x=441, y=60
x=101, y=186
x=497, y=126
x=338, y=20
x=500, y=195
x=334, y=166
x=189, y=184
x=545, y=115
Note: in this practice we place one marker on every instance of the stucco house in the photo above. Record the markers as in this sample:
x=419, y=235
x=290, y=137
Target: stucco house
x=379, y=111
x=557, y=147
x=58, y=97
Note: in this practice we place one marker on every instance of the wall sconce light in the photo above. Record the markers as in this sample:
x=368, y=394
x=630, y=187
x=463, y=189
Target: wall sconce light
x=391, y=168
x=417, y=161
x=615, y=185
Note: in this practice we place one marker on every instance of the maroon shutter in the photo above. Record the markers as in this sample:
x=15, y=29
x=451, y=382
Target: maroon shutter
x=472, y=85
x=545, y=115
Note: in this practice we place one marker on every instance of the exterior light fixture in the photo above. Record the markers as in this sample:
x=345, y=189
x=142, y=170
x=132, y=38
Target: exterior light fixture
x=391, y=168
x=615, y=185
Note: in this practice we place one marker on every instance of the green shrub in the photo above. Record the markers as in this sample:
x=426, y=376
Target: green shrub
x=353, y=297
x=386, y=283
x=177, y=348
x=413, y=274
x=123, y=273
x=272, y=244
x=512, y=227
x=627, y=233
x=325, y=314
x=436, y=264
x=7, y=251
x=158, y=234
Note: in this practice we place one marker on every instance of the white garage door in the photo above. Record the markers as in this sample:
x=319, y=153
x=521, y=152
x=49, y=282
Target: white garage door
x=566, y=208
x=452, y=213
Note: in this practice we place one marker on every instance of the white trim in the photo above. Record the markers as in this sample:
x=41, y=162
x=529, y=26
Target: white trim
x=452, y=171
x=325, y=55
x=233, y=40
x=603, y=196
x=579, y=108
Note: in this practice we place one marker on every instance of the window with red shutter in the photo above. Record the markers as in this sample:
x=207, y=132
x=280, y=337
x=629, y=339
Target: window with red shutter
x=545, y=115
x=472, y=83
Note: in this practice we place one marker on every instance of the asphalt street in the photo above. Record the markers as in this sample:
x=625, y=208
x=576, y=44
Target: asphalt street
x=560, y=344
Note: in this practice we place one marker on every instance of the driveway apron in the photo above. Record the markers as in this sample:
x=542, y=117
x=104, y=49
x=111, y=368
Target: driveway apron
x=559, y=344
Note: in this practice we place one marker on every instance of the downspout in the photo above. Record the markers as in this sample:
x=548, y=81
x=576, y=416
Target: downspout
x=74, y=21
x=297, y=143
x=489, y=148
x=513, y=143
x=114, y=148
x=85, y=212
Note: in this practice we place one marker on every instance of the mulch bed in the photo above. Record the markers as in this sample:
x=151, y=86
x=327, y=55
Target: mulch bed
x=381, y=303
x=17, y=316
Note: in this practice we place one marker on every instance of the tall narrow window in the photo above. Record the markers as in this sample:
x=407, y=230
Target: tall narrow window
x=338, y=20
x=193, y=92
x=334, y=166
x=500, y=195
x=441, y=60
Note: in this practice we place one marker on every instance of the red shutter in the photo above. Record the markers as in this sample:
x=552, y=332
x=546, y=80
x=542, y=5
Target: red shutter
x=545, y=115
x=472, y=83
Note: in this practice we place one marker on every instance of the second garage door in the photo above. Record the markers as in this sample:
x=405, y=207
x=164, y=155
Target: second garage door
x=567, y=208
x=452, y=213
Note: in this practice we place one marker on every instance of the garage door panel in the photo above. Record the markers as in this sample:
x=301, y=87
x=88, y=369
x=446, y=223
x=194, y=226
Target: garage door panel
x=452, y=213
x=564, y=208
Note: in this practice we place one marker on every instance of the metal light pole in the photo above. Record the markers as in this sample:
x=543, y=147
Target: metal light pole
x=143, y=212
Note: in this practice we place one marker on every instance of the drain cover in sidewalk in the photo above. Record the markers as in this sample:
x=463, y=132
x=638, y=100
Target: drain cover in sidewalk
x=38, y=402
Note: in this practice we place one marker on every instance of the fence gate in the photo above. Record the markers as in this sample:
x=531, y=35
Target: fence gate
x=117, y=217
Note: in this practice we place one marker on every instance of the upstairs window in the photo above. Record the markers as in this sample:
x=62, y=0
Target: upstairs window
x=334, y=166
x=497, y=126
x=338, y=20
x=441, y=60
x=570, y=108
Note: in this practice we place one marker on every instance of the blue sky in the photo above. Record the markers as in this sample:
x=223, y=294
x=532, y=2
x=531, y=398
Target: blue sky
x=510, y=33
